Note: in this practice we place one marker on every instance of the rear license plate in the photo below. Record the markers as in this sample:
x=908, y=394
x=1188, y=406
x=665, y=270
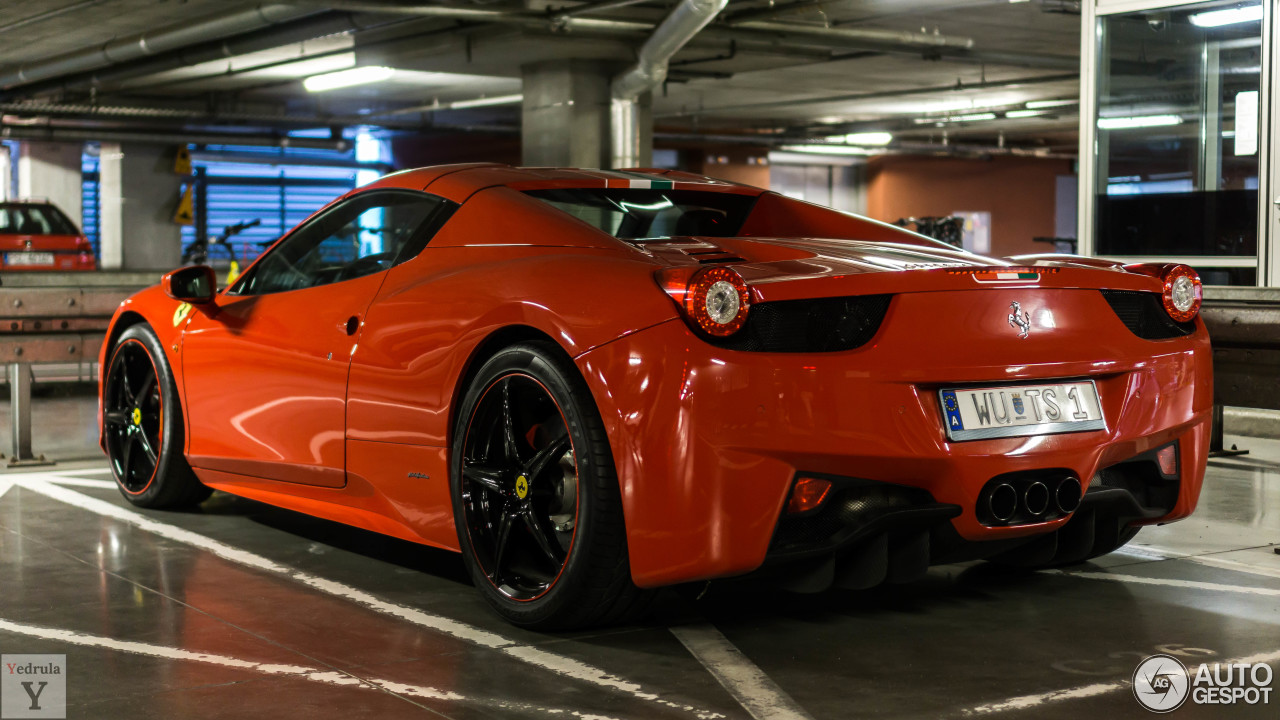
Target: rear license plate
x=1019, y=410
x=28, y=258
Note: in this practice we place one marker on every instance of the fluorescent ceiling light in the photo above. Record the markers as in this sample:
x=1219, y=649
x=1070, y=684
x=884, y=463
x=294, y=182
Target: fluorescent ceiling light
x=1023, y=113
x=1229, y=16
x=827, y=149
x=975, y=117
x=1138, y=121
x=485, y=102
x=347, y=78
x=1246, y=134
x=869, y=138
x=1042, y=104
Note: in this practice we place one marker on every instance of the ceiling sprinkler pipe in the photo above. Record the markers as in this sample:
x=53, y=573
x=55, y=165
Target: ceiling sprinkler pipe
x=893, y=37
x=153, y=42
x=650, y=70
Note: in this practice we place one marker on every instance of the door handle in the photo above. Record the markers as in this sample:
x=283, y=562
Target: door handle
x=352, y=325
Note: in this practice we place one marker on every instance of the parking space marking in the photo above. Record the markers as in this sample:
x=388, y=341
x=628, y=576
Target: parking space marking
x=4, y=487
x=84, y=482
x=1237, y=566
x=747, y=683
x=1027, y=702
x=1211, y=559
x=81, y=471
x=558, y=664
x=313, y=674
x=1168, y=582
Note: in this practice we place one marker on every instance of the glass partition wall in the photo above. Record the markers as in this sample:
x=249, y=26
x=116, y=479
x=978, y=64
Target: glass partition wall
x=1177, y=110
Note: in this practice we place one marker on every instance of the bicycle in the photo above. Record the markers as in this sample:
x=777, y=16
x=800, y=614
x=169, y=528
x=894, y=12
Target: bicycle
x=199, y=252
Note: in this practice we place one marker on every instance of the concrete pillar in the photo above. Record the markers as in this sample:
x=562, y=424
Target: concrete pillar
x=51, y=171
x=138, y=195
x=6, y=174
x=565, y=115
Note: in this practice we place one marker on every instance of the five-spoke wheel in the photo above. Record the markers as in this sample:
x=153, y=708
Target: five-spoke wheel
x=132, y=418
x=520, y=486
x=536, y=499
x=142, y=424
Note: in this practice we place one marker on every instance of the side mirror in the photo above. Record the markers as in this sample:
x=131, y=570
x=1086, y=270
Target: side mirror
x=196, y=284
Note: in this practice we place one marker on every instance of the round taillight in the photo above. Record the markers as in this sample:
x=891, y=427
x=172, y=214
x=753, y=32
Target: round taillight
x=1182, y=293
x=717, y=301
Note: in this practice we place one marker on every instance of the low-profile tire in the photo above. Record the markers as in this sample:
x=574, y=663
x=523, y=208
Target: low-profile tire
x=142, y=425
x=535, y=495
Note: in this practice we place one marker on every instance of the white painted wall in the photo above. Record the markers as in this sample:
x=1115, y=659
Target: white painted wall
x=51, y=170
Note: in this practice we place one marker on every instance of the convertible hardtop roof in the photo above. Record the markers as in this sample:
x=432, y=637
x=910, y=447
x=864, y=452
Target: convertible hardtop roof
x=458, y=182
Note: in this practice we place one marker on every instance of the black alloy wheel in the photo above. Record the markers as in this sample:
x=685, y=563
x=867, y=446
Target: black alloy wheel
x=520, y=487
x=133, y=415
x=142, y=425
x=536, y=499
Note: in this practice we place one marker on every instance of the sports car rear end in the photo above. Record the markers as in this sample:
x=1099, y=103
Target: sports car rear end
x=887, y=407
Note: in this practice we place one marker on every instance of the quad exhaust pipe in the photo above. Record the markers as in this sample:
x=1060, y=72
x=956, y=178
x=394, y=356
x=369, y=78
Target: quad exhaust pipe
x=1002, y=501
x=1035, y=499
x=1067, y=495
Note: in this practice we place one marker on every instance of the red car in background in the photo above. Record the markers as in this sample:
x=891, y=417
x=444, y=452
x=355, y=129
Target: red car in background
x=36, y=235
x=594, y=383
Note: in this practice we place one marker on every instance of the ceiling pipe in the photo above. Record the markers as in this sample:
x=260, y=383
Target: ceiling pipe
x=264, y=39
x=572, y=21
x=594, y=7
x=880, y=94
x=892, y=37
x=57, y=134
x=685, y=20
x=527, y=18
x=145, y=44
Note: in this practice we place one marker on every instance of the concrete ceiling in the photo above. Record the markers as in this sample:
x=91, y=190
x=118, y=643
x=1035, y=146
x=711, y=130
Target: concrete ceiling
x=727, y=80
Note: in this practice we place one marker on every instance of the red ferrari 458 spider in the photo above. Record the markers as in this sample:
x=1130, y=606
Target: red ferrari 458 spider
x=594, y=383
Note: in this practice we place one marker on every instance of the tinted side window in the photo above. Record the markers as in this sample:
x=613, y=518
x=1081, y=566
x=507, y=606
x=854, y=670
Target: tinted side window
x=368, y=233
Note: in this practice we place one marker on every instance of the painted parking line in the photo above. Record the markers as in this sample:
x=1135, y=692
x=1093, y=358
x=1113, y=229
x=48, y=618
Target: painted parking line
x=747, y=683
x=84, y=482
x=1157, y=554
x=558, y=664
x=1031, y=702
x=4, y=487
x=1167, y=582
x=312, y=674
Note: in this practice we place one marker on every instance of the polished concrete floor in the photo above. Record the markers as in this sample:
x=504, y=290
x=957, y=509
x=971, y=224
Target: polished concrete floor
x=241, y=610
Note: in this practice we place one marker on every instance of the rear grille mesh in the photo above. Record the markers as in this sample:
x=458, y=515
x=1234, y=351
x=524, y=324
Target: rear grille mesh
x=1143, y=313
x=817, y=325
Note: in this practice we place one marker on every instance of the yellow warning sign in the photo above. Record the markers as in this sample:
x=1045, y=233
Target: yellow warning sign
x=182, y=161
x=185, y=214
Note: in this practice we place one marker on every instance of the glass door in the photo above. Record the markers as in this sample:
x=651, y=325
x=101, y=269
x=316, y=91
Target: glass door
x=1177, y=139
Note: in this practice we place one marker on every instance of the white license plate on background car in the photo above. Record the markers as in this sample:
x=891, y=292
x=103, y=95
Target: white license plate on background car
x=1018, y=410
x=28, y=258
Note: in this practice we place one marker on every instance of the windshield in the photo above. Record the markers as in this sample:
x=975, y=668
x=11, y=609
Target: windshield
x=28, y=219
x=632, y=213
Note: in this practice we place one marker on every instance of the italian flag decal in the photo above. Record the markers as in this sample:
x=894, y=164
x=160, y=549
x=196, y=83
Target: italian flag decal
x=637, y=181
x=999, y=276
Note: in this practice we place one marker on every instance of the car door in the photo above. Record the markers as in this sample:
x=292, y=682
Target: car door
x=265, y=370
